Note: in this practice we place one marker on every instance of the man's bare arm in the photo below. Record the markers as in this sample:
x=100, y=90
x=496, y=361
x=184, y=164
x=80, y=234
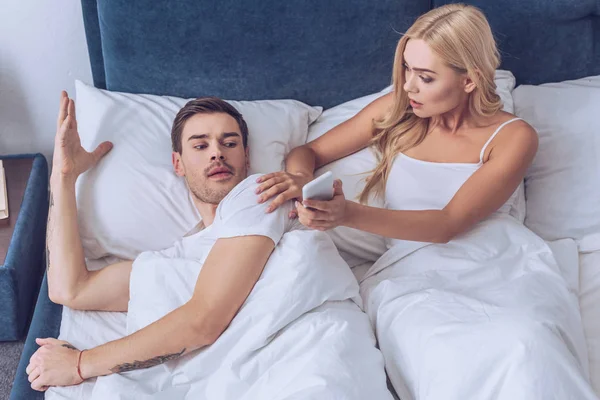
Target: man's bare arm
x=230, y=272
x=68, y=278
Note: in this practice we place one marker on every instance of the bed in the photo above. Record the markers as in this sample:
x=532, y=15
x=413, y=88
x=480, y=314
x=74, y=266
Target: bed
x=338, y=56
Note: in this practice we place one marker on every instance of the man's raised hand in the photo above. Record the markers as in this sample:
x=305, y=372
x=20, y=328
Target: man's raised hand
x=70, y=158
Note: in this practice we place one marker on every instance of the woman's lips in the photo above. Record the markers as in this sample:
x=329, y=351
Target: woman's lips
x=415, y=104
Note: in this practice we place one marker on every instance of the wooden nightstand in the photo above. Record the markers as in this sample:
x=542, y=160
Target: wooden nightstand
x=22, y=241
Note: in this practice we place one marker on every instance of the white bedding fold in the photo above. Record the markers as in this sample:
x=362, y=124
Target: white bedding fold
x=298, y=335
x=485, y=316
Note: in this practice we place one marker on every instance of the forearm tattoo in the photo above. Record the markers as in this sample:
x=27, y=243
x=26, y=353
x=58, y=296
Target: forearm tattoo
x=146, y=364
x=70, y=346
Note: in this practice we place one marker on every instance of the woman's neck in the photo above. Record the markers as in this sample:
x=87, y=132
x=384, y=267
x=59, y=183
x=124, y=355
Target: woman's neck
x=456, y=119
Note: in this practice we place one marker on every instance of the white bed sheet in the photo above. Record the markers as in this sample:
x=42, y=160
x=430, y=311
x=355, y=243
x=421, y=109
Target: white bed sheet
x=589, y=301
x=298, y=335
x=87, y=329
x=507, y=317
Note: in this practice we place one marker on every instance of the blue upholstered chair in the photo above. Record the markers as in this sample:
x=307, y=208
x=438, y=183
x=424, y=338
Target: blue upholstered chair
x=22, y=272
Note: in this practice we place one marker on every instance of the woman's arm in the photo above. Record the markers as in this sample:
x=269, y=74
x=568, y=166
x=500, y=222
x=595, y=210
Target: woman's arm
x=346, y=138
x=482, y=194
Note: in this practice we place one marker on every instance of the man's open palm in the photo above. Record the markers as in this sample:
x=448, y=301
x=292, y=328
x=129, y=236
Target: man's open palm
x=69, y=156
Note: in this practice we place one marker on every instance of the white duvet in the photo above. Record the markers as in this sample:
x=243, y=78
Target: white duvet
x=298, y=335
x=485, y=316
x=589, y=300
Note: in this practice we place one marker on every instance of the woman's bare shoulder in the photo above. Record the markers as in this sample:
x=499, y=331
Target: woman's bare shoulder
x=379, y=107
x=519, y=136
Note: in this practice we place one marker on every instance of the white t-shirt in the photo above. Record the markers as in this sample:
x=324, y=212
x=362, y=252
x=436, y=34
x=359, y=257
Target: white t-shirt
x=164, y=280
x=238, y=214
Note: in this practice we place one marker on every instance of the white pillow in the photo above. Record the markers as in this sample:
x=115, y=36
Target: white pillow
x=133, y=201
x=354, y=245
x=357, y=246
x=562, y=186
x=505, y=83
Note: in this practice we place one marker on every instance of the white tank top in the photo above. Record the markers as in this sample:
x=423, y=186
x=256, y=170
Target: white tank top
x=424, y=185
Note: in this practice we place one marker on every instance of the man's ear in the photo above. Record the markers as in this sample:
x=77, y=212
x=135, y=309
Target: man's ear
x=247, y=157
x=177, y=164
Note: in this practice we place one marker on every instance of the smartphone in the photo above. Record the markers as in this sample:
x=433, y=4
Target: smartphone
x=320, y=188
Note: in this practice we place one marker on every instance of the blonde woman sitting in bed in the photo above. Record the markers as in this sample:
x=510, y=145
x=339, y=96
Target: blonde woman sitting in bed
x=467, y=303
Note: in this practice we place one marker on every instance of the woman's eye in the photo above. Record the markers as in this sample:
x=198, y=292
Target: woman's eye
x=426, y=80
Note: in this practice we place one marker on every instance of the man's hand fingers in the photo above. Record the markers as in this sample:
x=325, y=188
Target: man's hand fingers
x=61, y=134
x=30, y=367
x=62, y=112
x=33, y=375
x=71, y=114
x=39, y=384
x=43, y=341
x=62, y=109
x=101, y=150
x=72, y=109
x=64, y=127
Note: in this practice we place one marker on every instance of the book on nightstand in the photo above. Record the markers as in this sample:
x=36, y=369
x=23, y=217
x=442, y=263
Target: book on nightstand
x=3, y=194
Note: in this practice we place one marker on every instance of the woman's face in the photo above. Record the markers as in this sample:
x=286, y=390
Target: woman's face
x=433, y=87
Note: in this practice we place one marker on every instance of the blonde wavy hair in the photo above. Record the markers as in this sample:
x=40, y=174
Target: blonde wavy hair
x=461, y=36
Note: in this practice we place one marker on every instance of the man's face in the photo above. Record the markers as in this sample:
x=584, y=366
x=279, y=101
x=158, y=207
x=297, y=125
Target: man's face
x=213, y=159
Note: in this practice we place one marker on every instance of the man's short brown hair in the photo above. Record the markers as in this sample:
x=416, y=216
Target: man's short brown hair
x=204, y=105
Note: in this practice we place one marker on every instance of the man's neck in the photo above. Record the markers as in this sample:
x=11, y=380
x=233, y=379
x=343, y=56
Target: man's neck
x=207, y=211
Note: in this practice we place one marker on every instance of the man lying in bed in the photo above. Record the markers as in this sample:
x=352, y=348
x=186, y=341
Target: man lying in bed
x=210, y=151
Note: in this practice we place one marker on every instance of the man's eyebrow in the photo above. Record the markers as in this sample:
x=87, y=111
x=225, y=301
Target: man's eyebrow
x=224, y=135
x=204, y=136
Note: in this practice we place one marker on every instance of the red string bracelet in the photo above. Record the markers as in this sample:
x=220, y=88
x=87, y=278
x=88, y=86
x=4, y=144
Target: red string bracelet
x=79, y=361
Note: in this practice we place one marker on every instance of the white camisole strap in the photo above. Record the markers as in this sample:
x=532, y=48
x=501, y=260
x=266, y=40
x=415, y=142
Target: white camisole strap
x=492, y=137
